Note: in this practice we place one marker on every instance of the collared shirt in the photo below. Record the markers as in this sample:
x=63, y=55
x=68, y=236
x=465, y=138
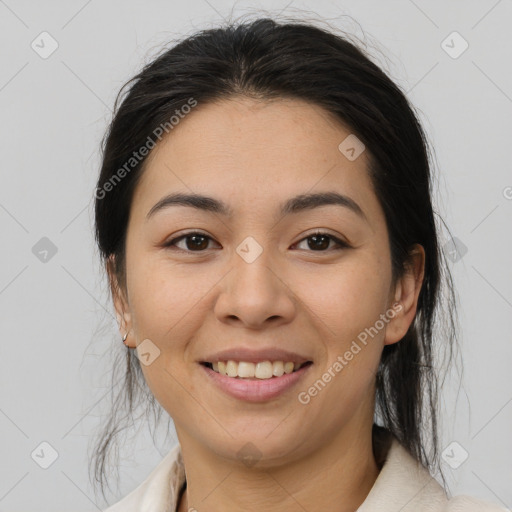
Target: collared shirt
x=402, y=485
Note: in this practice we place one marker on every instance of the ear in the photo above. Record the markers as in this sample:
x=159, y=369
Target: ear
x=120, y=301
x=406, y=293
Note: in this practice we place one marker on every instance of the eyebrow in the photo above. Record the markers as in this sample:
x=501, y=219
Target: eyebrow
x=296, y=204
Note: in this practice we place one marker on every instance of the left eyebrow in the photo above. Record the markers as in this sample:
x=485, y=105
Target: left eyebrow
x=296, y=204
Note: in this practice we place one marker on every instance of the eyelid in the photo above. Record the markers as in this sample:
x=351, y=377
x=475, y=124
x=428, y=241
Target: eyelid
x=321, y=231
x=172, y=241
x=341, y=244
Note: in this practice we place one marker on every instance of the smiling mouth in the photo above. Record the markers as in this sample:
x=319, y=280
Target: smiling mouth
x=262, y=370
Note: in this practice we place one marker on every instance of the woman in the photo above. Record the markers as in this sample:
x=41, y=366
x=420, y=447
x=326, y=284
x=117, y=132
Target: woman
x=264, y=214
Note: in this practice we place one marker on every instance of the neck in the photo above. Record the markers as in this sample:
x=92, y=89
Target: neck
x=337, y=477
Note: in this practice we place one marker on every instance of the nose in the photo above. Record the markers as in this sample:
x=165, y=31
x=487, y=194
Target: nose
x=255, y=294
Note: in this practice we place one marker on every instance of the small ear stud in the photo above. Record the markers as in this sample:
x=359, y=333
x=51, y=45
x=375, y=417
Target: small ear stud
x=124, y=337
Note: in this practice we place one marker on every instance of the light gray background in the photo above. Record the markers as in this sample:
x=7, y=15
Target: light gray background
x=55, y=366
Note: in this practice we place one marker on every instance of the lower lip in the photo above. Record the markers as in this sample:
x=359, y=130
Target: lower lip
x=257, y=390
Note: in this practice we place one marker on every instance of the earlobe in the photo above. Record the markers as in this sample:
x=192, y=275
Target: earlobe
x=124, y=320
x=123, y=317
x=120, y=302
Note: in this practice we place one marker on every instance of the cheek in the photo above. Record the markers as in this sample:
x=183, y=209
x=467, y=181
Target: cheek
x=161, y=297
x=349, y=304
x=165, y=306
x=348, y=297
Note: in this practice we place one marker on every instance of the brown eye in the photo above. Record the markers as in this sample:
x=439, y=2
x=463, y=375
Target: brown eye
x=320, y=242
x=193, y=242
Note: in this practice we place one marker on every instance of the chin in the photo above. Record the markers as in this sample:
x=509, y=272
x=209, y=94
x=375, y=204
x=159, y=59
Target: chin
x=257, y=449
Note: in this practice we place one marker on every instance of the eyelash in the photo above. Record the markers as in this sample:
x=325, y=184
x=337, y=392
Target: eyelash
x=171, y=244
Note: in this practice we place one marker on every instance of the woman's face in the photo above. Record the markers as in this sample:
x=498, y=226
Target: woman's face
x=255, y=279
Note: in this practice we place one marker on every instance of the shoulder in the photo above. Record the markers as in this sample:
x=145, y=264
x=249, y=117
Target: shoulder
x=404, y=484
x=159, y=490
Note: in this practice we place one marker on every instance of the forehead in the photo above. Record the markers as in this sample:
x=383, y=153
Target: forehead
x=254, y=153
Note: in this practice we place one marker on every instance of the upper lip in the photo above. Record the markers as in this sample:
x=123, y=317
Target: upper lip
x=255, y=356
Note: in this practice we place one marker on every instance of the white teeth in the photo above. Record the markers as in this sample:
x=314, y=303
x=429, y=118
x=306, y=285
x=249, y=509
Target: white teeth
x=231, y=369
x=261, y=370
x=278, y=368
x=288, y=367
x=246, y=369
